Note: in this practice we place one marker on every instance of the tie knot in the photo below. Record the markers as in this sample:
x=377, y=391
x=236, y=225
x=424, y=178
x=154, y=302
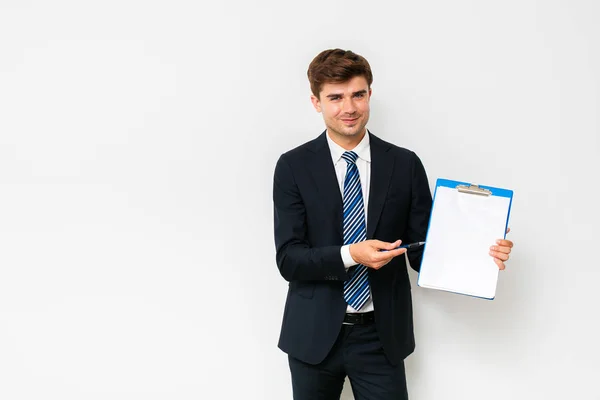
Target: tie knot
x=350, y=157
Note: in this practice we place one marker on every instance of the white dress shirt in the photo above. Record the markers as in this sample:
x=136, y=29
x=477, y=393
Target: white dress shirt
x=363, y=162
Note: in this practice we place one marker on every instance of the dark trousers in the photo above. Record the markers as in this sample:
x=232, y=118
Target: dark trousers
x=358, y=354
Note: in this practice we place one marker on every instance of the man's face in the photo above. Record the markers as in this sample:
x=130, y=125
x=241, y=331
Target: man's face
x=345, y=107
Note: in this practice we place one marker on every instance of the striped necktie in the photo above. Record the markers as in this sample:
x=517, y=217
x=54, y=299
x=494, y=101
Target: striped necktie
x=356, y=289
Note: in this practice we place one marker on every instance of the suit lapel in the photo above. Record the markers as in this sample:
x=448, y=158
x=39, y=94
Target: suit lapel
x=323, y=174
x=382, y=166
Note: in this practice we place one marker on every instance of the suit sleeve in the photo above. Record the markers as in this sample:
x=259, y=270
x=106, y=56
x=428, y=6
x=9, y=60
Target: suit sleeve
x=420, y=211
x=296, y=259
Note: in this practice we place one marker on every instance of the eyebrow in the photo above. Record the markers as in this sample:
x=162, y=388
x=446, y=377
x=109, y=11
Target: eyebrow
x=340, y=94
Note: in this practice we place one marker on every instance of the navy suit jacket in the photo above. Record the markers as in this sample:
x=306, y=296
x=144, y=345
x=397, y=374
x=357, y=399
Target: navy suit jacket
x=308, y=238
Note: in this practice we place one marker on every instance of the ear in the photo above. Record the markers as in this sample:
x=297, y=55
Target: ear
x=315, y=102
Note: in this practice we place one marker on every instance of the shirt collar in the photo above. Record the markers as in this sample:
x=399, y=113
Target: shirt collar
x=363, y=149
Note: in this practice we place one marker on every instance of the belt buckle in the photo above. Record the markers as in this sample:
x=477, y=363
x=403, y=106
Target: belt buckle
x=358, y=318
x=354, y=318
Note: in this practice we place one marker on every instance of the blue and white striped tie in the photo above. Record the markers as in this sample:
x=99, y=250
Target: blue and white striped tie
x=356, y=289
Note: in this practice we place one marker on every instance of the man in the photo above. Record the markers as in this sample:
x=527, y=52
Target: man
x=339, y=201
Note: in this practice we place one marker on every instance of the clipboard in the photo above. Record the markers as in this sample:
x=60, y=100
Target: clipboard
x=466, y=219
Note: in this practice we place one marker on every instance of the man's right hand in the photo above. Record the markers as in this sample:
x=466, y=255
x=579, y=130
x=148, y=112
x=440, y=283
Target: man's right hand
x=369, y=252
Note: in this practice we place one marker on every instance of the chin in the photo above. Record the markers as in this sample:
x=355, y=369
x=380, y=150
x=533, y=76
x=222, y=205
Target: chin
x=353, y=132
x=347, y=131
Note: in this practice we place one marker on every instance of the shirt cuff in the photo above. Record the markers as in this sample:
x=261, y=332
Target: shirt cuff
x=346, y=257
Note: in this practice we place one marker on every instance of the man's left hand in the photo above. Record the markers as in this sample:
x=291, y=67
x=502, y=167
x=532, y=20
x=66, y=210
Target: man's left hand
x=501, y=251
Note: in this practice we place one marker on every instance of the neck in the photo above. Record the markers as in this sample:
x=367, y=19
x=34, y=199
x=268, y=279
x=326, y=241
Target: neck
x=346, y=142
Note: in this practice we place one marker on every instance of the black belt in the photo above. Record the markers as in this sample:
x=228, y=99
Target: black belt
x=360, y=318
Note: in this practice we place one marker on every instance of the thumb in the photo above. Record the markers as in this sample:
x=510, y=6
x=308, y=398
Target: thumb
x=392, y=246
x=378, y=244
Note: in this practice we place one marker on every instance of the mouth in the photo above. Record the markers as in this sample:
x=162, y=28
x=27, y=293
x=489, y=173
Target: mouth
x=349, y=121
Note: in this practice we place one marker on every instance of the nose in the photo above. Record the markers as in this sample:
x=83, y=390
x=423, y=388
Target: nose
x=349, y=107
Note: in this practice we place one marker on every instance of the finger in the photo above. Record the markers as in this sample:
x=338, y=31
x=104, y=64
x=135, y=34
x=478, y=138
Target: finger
x=385, y=246
x=500, y=264
x=392, y=246
x=397, y=252
x=501, y=256
x=378, y=243
x=374, y=264
x=501, y=249
x=507, y=230
x=504, y=242
x=388, y=255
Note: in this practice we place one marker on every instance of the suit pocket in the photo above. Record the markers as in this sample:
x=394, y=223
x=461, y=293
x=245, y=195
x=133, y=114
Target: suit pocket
x=303, y=289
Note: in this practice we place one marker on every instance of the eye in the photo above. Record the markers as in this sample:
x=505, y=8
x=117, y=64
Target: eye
x=359, y=95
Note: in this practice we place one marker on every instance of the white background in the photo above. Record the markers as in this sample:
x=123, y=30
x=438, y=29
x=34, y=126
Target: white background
x=137, y=147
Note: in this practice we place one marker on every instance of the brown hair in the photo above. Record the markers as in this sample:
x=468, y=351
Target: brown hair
x=337, y=66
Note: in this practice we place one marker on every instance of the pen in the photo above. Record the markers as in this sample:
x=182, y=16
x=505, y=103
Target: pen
x=409, y=246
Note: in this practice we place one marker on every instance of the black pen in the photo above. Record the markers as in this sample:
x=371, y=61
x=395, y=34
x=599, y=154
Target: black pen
x=409, y=246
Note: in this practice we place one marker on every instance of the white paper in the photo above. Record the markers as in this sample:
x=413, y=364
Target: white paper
x=463, y=226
